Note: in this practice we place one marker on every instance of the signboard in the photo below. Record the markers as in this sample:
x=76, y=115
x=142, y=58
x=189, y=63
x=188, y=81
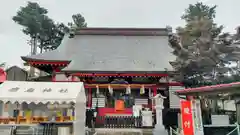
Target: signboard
x=187, y=119
x=119, y=105
x=174, y=100
x=197, y=117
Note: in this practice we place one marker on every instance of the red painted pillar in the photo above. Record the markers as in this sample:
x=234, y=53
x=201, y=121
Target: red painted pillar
x=72, y=78
x=149, y=99
x=154, y=91
x=3, y=75
x=89, y=97
x=55, y=70
x=54, y=76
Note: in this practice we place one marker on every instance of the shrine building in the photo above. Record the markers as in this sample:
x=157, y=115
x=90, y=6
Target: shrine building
x=114, y=63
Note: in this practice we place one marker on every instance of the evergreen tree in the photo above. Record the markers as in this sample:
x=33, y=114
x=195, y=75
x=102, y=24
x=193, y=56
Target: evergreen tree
x=78, y=21
x=204, y=54
x=44, y=32
x=31, y=18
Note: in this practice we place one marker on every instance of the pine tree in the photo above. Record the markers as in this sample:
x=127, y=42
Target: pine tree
x=204, y=54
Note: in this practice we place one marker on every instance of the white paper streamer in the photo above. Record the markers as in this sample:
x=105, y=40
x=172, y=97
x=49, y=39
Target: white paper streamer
x=110, y=89
x=149, y=93
x=97, y=92
x=142, y=89
x=128, y=90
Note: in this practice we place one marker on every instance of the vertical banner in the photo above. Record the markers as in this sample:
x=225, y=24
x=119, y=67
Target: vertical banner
x=187, y=118
x=197, y=117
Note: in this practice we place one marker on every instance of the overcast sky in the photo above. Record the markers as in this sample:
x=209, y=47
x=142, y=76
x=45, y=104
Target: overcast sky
x=105, y=13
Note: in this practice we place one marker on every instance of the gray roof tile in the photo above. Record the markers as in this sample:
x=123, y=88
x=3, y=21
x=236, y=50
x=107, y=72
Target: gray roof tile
x=118, y=53
x=55, y=55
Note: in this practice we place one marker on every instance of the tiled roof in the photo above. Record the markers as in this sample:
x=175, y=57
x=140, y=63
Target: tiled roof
x=113, y=52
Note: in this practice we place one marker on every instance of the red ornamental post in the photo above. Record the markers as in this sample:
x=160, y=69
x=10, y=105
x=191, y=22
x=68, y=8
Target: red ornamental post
x=90, y=97
x=3, y=75
x=187, y=119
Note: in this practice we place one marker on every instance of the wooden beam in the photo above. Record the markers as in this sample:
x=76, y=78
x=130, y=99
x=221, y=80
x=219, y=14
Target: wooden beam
x=127, y=85
x=121, y=86
x=122, y=74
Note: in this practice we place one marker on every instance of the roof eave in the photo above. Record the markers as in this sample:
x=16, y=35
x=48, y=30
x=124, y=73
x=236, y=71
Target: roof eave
x=29, y=59
x=118, y=72
x=211, y=90
x=124, y=31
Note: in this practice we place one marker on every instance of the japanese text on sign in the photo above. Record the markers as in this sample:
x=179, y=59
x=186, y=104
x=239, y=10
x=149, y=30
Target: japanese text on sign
x=187, y=124
x=14, y=89
x=186, y=111
x=63, y=90
x=29, y=90
x=47, y=90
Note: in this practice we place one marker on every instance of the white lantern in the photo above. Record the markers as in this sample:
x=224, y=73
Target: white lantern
x=110, y=89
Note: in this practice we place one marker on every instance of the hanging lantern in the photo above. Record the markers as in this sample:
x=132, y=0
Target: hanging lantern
x=142, y=90
x=110, y=89
x=128, y=90
x=97, y=92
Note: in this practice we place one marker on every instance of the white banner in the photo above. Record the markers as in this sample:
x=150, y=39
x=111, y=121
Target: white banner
x=197, y=117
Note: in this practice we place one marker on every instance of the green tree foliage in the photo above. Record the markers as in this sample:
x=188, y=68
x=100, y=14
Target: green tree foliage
x=44, y=31
x=51, y=37
x=31, y=18
x=204, y=54
x=199, y=10
x=2, y=64
x=78, y=21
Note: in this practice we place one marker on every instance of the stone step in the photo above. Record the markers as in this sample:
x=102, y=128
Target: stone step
x=123, y=131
